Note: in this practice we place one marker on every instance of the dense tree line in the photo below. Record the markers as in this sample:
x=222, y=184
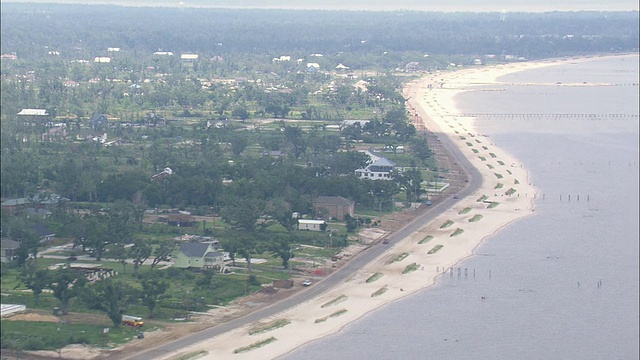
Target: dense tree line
x=26, y=30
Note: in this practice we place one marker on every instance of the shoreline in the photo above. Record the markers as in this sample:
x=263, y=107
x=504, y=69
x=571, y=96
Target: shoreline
x=330, y=312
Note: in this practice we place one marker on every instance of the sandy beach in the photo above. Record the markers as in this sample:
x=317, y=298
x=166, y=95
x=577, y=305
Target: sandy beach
x=415, y=262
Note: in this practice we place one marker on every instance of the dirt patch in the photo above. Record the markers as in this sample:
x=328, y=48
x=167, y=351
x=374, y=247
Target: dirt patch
x=33, y=317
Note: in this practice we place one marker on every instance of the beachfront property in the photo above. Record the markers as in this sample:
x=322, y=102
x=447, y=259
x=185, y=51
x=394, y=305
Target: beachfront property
x=198, y=255
x=311, y=225
x=378, y=168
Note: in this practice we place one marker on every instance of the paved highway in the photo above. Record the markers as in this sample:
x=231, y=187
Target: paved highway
x=339, y=276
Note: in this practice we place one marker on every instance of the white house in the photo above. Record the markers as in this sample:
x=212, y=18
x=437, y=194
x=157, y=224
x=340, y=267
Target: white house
x=189, y=57
x=313, y=225
x=282, y=58
x=378, y=168
x=102, y=59
x=33, y=112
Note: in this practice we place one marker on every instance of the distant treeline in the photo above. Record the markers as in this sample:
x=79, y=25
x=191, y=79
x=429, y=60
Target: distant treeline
x=82, y=31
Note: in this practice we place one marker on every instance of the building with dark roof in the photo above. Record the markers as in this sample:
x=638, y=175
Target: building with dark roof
x=333, y=207
x=198, y=255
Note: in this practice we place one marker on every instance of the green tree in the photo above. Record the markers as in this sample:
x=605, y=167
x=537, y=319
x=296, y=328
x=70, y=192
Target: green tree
x=139, y=253
x=66, y=284
x=153, y=288
x=34, y=279
x=241, y=112
x=280, y=247
x=163, y=252
x=112, y=297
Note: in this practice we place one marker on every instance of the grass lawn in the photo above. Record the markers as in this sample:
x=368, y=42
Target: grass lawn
x=40, y=335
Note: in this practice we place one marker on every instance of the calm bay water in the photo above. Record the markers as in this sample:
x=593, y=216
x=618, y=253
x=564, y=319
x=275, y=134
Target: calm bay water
x=564, y=282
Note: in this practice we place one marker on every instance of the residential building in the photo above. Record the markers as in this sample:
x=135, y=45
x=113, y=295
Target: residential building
x=39, y=201
x=334, y=206
x=189, y=57
x=312, y=225
x=198, y=255
x=102, y=59
x=182, y=220
x=378, y=168
x=8, y=250
x=33, y=112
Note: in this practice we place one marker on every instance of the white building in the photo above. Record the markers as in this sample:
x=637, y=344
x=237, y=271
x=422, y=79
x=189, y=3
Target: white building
x=33, y=112
x=189, y=57
x=102, y=59
x=312, y=225
x=378, y=168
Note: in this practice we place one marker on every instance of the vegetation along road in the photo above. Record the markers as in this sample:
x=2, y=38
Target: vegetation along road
x=347, y=270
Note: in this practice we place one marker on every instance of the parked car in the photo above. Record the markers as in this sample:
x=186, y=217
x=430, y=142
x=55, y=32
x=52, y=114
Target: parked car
x=455, y=196
x=385, y=241
x=72, y=258
x=306, y=282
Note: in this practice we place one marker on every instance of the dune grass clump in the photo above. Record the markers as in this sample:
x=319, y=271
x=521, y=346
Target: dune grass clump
x=515, y=181
x=501, y=163
x=335, y=314
x=269, y=326
x=456, y=232
x=446, y=224
x=493, y=204
x=510, y=192
x=499, y=176
x=435, y=249
x=337, y=300
x=482, y=198
x=400, y=257
x=410, y=268
x=499, y=186
x=490, y=166
x=493, y=155
x=509, y=172
x=254, y=345
x=482, y=158
x=426, y=239
x=374, y=277
x=485, y=148
x=192, y=355
x=478, y=141
x=475, y=218
x=380, y=291
x=469, y=144
x=463, y=137
x=464, y=211
x=475, y=151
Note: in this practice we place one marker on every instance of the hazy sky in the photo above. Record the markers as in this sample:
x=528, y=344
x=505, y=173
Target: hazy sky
x=421, y=5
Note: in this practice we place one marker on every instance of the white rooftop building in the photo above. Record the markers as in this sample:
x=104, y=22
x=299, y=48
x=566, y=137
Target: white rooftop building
x=312, y=225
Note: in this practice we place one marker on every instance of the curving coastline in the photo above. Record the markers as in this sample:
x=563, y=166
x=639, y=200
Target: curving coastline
x=324, y=314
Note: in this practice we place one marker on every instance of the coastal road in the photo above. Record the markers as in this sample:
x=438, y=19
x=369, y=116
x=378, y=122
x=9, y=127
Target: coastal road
x=339, y=276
